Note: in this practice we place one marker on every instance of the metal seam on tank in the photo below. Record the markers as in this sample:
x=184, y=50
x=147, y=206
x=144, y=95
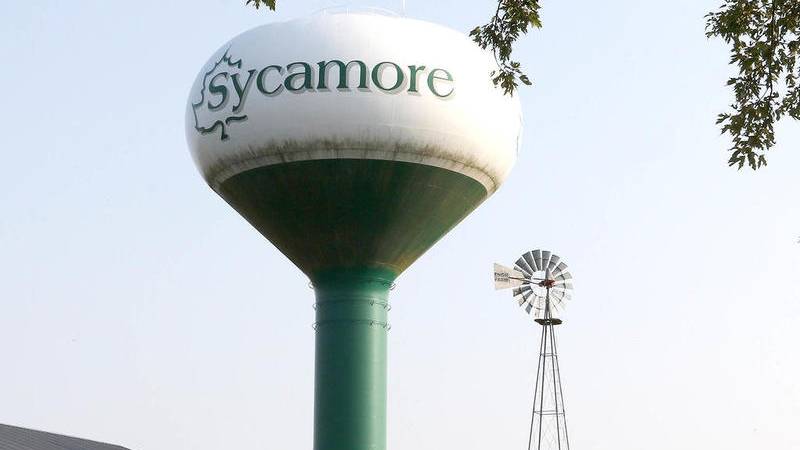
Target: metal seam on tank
x=346, y=299
x=379, y=323
x=226, y=168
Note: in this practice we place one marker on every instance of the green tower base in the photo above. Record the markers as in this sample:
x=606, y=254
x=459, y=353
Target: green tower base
x=350, y=361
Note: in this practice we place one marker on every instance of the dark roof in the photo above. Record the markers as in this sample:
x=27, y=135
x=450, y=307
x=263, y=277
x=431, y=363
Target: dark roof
x=15, y=438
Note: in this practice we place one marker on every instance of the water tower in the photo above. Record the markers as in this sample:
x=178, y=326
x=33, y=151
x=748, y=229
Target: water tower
x=353, y=142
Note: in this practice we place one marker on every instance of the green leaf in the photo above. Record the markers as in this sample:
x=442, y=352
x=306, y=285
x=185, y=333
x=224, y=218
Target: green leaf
x=764, y=44
x=259, y=3
x=512, y=19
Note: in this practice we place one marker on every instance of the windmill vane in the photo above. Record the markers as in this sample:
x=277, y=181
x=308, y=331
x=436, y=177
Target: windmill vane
x=541, y=284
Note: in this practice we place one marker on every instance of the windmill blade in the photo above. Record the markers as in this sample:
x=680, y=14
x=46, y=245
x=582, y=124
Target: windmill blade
x=524, y=266
x=521, y=290
x=528, y=307
x=524, y=298
x=506, y=278
x=545, y=259
x=558, y=298
x=522, y=294
x=554, y=259
x=560, y=292
x=531, y=262
x=560, y=268
x=564, y=294
x=563, y=298
x=563, y=276
x=560, y=286
x=537, y=304
x=564, y=284
x=537, y=258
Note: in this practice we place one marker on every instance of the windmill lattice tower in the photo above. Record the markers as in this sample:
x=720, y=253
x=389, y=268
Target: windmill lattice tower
x=541, y=285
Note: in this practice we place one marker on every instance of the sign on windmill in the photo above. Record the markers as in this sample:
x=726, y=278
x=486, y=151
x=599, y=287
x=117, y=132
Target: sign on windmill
x=507, y=278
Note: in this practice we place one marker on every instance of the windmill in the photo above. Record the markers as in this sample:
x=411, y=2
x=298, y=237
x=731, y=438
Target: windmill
x=541, y=285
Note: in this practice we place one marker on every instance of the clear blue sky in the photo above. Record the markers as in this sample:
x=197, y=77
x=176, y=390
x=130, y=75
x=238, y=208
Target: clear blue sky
x=136, y=307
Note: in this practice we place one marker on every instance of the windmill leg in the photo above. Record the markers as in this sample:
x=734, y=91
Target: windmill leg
x=561, y=395
x=556, y=385
x=536, y=389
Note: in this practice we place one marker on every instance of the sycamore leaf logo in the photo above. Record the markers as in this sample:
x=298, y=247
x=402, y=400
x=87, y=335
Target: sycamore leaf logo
x=213, y=110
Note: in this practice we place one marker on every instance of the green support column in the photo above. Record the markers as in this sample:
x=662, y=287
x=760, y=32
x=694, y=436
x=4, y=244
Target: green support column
x=350, y=363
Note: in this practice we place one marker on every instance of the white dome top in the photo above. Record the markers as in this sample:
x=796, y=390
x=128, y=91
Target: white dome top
x=413, y=91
